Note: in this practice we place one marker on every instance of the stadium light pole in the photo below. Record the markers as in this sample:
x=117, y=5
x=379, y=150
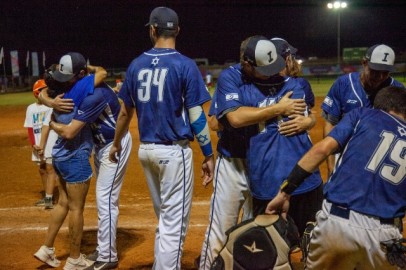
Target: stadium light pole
x=338, y=5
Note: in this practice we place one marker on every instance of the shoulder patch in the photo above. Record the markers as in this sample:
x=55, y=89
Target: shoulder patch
x=232, y=96
x=328, y=101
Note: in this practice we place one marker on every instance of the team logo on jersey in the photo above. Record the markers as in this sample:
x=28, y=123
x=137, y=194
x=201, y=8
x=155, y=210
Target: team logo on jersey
x=328, y=101
x=351, y=101
x=80, y=112
x=164, y=162
x=155, y=61
x=232, y=96
x=253, y=248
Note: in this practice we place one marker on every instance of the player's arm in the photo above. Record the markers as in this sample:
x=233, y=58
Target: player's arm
x=214, y=124
x=245, y=116
x=67, y=131
x=306, y=165
x=100, y=74
x=328, y=126
x=122, y=125
x=58, y=103
x=297, y=124
x=200, y=128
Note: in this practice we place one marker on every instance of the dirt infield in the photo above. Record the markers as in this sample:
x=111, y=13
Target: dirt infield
x=23, y=226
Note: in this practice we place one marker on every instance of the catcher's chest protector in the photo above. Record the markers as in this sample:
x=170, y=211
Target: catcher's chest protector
x=257, y=244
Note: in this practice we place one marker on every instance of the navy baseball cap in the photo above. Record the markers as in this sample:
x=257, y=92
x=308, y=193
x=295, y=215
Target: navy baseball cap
x=283, y=47
x=381, y=57
x=69, y=65
x=262, y=54
x=163, y=17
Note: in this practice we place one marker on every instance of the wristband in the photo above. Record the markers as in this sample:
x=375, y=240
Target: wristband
x=295, y=179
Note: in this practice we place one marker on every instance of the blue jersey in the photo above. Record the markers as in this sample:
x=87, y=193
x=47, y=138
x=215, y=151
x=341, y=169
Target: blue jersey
x=271, y=156
x=376, y=142
x=100, y=110
x=162, y=85
x=232, y=141
x=307, y=89
x=65, y=149
x=346, y=94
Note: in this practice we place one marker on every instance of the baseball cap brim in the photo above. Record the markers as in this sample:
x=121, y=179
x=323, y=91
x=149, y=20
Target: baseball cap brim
x=381, y=67
x=61, y=77
x=272, y=69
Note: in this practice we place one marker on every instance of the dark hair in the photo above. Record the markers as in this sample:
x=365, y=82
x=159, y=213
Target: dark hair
x=54, y=87
x=166, y=33
x=391, y=98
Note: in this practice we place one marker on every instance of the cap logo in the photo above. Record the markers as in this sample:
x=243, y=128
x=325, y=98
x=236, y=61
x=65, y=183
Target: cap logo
x=270, y=57
x=385, y=58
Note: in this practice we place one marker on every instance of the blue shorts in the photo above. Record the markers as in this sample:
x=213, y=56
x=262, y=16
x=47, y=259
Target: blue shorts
x=74, y=170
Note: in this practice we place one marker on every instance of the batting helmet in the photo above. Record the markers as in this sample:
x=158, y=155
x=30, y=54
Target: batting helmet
x=37, y=87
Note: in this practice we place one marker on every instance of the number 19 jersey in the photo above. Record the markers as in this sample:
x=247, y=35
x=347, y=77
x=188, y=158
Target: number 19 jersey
x=370, y=181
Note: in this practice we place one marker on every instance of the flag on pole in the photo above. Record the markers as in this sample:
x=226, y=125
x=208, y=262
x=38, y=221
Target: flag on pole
x=27, y=59
x=43, y=58
x=1, y=55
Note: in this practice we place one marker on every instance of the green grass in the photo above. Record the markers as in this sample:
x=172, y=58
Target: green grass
x=320, y=88
x=22, y=98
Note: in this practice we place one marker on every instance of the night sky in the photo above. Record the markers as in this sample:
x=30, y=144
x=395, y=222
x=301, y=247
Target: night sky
x=112, y=33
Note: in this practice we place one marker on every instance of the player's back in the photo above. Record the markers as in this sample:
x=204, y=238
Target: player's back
x=370, y=176
x=162, y=84
x=100, y=110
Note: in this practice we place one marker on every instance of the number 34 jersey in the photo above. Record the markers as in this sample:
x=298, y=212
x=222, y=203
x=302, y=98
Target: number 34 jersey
x=162, y=85
x=371, y=181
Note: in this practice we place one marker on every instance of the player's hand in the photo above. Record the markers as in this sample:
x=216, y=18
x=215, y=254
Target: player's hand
x=296, y=124
x=62, y=105
x=207, y=170
x=292, y=106
x=279, y=205
x=114, y=153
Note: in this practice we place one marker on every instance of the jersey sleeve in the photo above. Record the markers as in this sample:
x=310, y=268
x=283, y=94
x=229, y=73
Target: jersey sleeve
x=91, y=107
x=196, y=92
x=125, y=91
x=81, y=89
x=213, y=105
x=332, y=102
x=344, y=130
x=309, y=95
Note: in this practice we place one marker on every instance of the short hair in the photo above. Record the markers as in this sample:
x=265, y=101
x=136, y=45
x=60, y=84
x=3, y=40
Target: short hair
x=166, y=33
x=391, y=98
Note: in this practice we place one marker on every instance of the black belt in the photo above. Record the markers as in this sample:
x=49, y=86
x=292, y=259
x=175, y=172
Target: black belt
x=343, y=212
x=162, y=143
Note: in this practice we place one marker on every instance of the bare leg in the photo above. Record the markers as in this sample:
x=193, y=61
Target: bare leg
x=51, y=179
x=77, y=196
x=58, y=215
x=43, y=174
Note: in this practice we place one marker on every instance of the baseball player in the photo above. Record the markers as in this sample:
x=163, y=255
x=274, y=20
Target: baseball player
x=167, y=91
x=231, y=186
x=364, y=197
x=100, y=109
x=297, y=122
x=357, y=89
x=42, y=141
x=71, y=161
x=270, y=154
